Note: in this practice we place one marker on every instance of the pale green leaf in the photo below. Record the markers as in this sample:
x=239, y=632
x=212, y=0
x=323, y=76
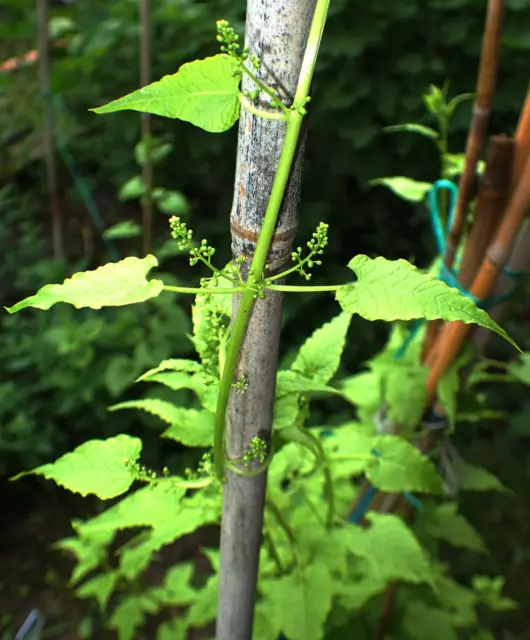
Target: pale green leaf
x=285, y=412
x=203, y=92
x=166, y=411
x=173, y=203
x=319, y=357
x=400, y=466
x=100, y=467
x=396, y=290
x=301, y=601
x=389, y=549
x=291, y=382
x=349, y=447
x=405, y=188
x=354, y=595
x=445, y=523
x=125, y=229
x=406, y=394
x=89, y=554
x=363, y=389
x=112, y=285
x=422, y=130
x=176, y=589
x=100, y=587
x=192, y=428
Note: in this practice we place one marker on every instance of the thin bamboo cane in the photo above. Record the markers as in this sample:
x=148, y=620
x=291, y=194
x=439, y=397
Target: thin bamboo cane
x=49, y=147
x=485, y=91
x=486, y=84
x=454, y=333
x=147, y=167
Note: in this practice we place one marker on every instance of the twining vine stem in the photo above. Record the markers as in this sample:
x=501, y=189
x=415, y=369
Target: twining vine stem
x=255, y=276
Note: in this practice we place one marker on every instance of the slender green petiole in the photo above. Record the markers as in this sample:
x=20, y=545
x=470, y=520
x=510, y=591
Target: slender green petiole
x=266, y=90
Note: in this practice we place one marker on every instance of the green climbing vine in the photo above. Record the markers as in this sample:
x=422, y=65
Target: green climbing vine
x=318, y=570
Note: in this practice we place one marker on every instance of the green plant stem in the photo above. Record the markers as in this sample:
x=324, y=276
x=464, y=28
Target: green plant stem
x=278, y=515
x=266, y=90
x=303, y=288
x=206, y=291
x=267, y=115
x=273, y=551
x=328, y=480
x=292, y=269
x=255, y=276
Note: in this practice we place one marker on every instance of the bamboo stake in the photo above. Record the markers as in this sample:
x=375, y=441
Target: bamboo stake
x=486, y=84
x=485, y=91
x=454, y=333
x=49, y=148
x=147, y=167
x=276, y=31
x=491, y=203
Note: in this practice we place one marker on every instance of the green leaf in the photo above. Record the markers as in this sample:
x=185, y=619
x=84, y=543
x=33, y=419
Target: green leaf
x=427, y=132
x=401, y=467
x=133, y=189
x=166, y=411
x=112, y=285
x=445, y=523
x=129, y=615
x=422, y=621
x=449, y=386
x=521, y=368
x=319, y=357
x=301, y=601
x=204, y=608
x=395, y=290
x=389, y=550
x=118, y=374
x=349, y=447
x=125, y=229
x=363, y=389
x=289, y=382
x=473, y=478
x=192, y=428
x=406, y=188
x=458, y=601
x=173, y=364
x=173, y=203
x=285, y=412
x=100, y=467
x=203, y=92
x=354, y=595
x=405, y=393
x=176, y=590
x=100, y=587
x=175, y=629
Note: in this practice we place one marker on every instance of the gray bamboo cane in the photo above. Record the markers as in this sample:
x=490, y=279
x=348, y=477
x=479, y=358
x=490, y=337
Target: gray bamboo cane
x=276, y=31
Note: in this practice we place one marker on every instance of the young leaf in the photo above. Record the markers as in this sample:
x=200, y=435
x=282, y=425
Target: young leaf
x=125, y=229
x=192, y=428
x=445, y=523
x=174, y=629
x=472, y=478
x=405, y=394
x=97, y=466
x=100, y=587
x=521, y=368
x=176, y=589
x=112, y=285
x=132, y=189
x=422, y=621
x=289, y=382
x=301, y=600
x=401, y=467
x=319, y=357
x=396, y=290
x=390, y=550
x=166, y=411
x=129, y=615
x=203, y=92
x=405, y=188
x=172, y=364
